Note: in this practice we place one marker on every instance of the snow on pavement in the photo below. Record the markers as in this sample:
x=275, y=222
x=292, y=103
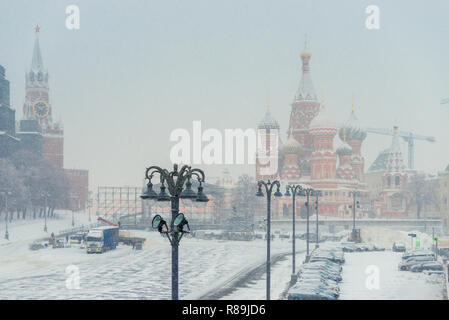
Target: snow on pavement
x=280, y=277
x=393, y=284
x=122, y=273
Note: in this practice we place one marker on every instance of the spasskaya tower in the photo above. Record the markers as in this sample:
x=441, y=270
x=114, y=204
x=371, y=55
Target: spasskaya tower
x=37, y=106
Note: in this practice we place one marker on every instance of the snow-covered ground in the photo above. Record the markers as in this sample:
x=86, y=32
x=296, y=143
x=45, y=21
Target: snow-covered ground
x=121, y=273
x=362, y=267
x=386, y=237
x=204, y=264
x=280, y=277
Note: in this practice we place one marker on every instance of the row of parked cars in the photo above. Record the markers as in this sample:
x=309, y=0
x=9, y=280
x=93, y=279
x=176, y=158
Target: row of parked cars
x=420, y=260
x=361, y=247
x=318, y=278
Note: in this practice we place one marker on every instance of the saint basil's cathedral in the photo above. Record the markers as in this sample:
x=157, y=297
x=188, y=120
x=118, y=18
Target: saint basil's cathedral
x=308, y=157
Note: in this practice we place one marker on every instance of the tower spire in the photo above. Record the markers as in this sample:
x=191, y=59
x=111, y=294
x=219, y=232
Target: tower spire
x=353, y=102
x=37, y=62
x=306, y=90
x=305, y=43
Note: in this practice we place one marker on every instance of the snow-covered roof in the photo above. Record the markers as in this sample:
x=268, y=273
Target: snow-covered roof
x=291, y=146
x=380, y=164
x=395, y=161
x=344, y=149
x=324, y=121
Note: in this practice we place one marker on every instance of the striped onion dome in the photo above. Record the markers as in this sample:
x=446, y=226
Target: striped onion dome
x=351, y=129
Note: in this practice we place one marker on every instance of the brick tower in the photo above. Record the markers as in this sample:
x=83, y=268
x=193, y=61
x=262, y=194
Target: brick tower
x=37, y=106
x=305, y=107
x=354, y=134
x=323, y=161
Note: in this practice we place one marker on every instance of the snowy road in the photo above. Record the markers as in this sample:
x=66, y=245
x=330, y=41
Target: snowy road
x=204, y=265
x=393, y=284
x=123, y=273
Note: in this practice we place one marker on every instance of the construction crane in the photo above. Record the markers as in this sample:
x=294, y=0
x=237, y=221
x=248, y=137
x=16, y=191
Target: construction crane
x=108, y=222
x=408, y=137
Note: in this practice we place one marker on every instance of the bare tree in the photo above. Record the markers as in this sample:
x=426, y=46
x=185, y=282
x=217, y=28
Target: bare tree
x=421, y=192
x=243, y=196
x=12, y=182
x=219, y=202
x=39, y=177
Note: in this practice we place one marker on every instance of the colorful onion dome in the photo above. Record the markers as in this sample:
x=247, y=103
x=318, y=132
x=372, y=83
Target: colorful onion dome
x=291, y=146
x=351, y=129
x=268, y=121
x=344, y=149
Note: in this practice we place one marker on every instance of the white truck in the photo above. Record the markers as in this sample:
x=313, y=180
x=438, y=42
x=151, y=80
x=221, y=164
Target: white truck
x=101, y=239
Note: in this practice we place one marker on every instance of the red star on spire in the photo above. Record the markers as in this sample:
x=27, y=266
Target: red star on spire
x=37, y=29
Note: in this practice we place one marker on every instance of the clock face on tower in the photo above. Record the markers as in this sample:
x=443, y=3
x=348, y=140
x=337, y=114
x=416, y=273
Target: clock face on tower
x=41, y=109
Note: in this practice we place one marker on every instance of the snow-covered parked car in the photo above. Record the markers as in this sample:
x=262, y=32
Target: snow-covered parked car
x=36, y=246
x=428, y=266
x=417, y=253
x=398, y=247
x=410, y=262
x=378, y=247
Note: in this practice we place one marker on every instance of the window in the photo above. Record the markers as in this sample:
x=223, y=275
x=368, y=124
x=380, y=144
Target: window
x=388, y=181
x=397, y=180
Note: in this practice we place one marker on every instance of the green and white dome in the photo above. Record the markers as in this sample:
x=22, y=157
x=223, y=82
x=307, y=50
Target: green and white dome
x=351, y=129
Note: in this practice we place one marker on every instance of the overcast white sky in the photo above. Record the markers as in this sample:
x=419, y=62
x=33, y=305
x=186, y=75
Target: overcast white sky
x=136, y=70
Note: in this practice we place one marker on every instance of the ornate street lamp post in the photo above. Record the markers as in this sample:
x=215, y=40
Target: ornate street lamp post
x=268, y=189
x=89, y=206
x=307, y=191
x=72, y=205
x=45, y=195
x=6, y=194
x=294, y=191
x=175, y=181
x=317, y=194
x=355, y=204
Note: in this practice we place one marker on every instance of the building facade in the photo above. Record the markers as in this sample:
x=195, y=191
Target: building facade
x=387, y=180
x=28, y=136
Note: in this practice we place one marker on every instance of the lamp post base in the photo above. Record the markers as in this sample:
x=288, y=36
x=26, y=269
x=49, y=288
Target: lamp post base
x=293, y=278
x=307, y=258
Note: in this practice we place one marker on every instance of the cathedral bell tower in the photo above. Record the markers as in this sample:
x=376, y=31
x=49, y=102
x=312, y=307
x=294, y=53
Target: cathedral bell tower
x=305, y=106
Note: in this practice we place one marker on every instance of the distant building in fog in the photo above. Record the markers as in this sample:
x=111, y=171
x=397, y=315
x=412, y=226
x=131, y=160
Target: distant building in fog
x=28, y=136
x=38, y=108
x=387, y=180
x=37, y=131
